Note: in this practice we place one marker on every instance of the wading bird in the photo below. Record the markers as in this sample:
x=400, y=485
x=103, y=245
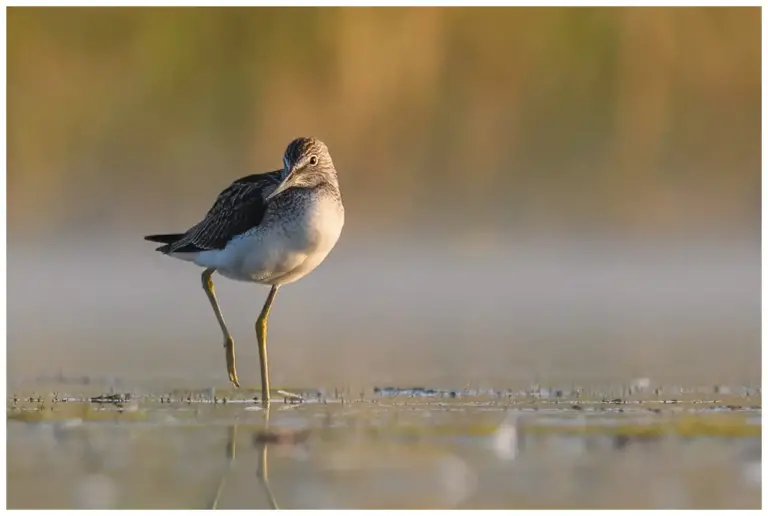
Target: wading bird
x=272, y=228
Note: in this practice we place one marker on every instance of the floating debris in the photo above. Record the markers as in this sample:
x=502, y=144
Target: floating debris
x=414, y=392
x=505, y=441
x=639, y=384
x=114, y=399
x=289, y=397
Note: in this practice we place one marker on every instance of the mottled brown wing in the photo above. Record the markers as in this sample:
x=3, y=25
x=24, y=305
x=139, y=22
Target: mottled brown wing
x=237, y=209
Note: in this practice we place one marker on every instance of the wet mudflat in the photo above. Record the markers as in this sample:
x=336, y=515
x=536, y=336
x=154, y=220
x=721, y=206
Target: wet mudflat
x=386, y=448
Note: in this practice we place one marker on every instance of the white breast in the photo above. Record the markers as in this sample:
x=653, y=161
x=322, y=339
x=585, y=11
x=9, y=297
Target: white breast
x=314, y=240
x=283, y=249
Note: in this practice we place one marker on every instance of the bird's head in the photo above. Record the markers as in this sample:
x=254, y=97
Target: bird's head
x=306, y=163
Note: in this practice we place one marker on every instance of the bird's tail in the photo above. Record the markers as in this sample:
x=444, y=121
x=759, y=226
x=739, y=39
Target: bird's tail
x=164, y=239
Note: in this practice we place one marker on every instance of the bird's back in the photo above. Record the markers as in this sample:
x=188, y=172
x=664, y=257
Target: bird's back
x=238, y=208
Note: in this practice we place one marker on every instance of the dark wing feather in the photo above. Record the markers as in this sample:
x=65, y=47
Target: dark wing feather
x=238, y=208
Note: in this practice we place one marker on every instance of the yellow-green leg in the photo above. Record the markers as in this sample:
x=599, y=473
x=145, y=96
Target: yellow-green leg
x=261, y=336
x=229, y=342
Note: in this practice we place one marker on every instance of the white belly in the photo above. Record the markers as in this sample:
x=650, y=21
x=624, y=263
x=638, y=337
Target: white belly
x=279, y=251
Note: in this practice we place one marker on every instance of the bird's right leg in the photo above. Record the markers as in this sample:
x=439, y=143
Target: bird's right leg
x=229, y=342
x=261, y=337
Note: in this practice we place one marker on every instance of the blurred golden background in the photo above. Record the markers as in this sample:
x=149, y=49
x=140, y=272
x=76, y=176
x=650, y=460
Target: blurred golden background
x=628, y=119
x=495, y=163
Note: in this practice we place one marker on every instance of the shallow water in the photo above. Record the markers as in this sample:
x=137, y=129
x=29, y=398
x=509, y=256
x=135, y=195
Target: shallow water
x=392, y=448
x=397, y=312
x=554, y=375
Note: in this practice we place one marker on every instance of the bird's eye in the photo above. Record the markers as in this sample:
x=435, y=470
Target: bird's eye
x=313, y=160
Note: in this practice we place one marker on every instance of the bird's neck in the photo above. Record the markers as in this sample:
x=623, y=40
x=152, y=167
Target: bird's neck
x=332, y=178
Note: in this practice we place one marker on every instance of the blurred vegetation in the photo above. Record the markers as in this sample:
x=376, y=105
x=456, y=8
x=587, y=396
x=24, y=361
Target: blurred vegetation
x=628, y=119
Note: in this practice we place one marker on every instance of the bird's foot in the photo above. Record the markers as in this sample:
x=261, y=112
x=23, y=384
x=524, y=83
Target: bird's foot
x=229, y=346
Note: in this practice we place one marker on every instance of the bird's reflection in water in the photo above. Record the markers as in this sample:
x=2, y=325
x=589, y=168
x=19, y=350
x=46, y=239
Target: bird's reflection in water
x=262, y=446
x=230, y=452
x=261, y=440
